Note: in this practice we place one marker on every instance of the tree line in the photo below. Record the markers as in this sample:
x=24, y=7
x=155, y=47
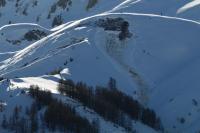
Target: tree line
x=20, y=123
x=111, y=104
x=56, y=116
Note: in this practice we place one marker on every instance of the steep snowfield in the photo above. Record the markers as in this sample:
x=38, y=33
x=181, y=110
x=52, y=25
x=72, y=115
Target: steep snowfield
x=12, y=96
x=158, y=64
x=180, y=98
x=159, y=48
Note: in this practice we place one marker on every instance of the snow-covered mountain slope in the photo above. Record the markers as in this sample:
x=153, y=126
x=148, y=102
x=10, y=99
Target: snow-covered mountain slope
x=143, y=62
x=178, y=8
x=181, y=100
x=151, y=48
x=51, y=13
x=13, y=96
x=61, y=11
x=17, y=36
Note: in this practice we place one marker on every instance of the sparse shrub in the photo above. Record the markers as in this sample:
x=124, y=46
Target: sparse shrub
x=182, y=120
x=91, y=3
x=38, y=18
x=64, y=3
x=52, y=10
x=71, y=59
x=56, y=71
x=1, y=78
x=194, y=101
x=57, y=21
x=14, y=42
x=25, y=12
x=35, y=3
x=2, y=3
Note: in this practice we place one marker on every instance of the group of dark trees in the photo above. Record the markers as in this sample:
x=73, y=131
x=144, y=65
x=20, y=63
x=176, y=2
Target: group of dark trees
x=58, y=20
x=64, y=3
x=59, y=116
x=64, y=118
x=110, y=103
x=21, y=123
x=115, y=24
x=91, y=3
x=56, y=117
x=33, y=35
